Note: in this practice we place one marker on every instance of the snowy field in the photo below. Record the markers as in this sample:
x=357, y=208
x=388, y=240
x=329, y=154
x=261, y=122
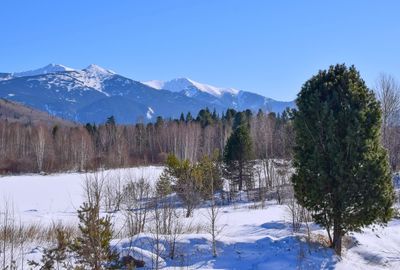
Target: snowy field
x=56, y=197
x=250, y=237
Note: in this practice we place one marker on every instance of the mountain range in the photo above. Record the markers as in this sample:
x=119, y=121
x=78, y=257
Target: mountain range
x=95, y=93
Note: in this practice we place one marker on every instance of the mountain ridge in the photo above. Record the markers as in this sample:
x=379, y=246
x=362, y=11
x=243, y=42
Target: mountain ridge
x=94, y=93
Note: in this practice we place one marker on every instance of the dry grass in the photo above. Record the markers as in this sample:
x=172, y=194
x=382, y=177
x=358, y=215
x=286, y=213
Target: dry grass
x=34, y=232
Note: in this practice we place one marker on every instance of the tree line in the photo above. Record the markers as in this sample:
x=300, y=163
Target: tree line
x=44, y=148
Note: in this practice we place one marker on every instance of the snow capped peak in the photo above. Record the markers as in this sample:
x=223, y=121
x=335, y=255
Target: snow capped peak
x=181, y=84
x=178, y=84
x=213, y=90
x=95, y=69
x=156, y=84
x=93, y=76
x=58, y=67
x=50, y=68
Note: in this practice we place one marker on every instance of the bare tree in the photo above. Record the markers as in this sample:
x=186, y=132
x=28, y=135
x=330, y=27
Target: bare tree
x=388, y=92
x=171, y=223
x=39, y=143
x=93, y=187
x=213, y=216
x=282, y=179
x=156, y=239
x=135, y=200
x=113, y=193
x=262, y=183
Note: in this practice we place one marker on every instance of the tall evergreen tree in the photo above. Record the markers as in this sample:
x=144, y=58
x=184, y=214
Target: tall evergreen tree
x=238, y=155
x=189, y=117
x=110, y=120
x=204, y=117
x=342, y=172
x=182, y=118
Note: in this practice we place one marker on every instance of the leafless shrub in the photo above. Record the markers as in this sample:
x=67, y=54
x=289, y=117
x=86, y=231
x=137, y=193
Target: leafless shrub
x=156, y=240
x=196, y=228
x=93, y=187
x=112, y=193
x=299, y=215
x=135, y=202
x=171, y=225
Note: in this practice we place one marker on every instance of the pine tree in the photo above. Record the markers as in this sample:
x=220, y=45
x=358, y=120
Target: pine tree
x=57, y=256
x=210, y=172
x=204, y=117
x=110, y=120
x=187, y=179
x=182, y=118
x=230, y=114
x=189, y=117
x=238, y=155
x=342, y=172
x=93, y=245
x=163, y=185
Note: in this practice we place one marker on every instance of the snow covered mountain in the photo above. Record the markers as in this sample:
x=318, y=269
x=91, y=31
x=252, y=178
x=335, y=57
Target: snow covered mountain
x=51, y=68
x=94, y=93
x=185, y=84
x=221, y=96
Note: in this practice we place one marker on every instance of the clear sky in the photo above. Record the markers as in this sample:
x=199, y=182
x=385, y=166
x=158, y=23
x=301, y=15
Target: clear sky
x=268, y=47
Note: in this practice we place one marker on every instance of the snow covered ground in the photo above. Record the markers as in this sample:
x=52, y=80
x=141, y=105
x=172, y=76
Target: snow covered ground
x=56, y=197
x=251, y=237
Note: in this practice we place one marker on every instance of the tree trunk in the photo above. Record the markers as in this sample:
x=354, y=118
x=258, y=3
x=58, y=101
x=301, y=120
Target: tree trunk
x=240, y=176
x=188, y=212
x=337, y=238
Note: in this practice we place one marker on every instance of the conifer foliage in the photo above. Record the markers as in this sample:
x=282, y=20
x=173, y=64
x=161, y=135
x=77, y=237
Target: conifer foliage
x=342, y=171
x=191, y=181
x=93, y=246
x=238, y=154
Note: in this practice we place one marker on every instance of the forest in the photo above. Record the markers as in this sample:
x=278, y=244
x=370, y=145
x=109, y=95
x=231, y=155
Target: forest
x=47, y=148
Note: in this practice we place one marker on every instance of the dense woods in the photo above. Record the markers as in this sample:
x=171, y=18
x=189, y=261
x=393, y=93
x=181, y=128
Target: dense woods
x=50, y=148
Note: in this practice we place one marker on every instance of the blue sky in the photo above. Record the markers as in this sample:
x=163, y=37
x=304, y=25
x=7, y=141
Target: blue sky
x=268, y=47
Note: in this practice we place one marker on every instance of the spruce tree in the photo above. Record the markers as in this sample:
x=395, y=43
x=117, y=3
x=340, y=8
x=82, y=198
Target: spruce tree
x=182, y=118
x=189, y=117
x=111, y=120
x=342, y=173
x=238, y=156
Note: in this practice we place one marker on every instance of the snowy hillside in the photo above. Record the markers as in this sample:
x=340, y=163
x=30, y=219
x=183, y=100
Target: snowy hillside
x=251, y=236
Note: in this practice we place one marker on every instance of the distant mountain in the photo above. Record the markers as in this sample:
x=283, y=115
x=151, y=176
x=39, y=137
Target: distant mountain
x=94, y=93
x=224, y=97
x=51, y=68
x=188, y=85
